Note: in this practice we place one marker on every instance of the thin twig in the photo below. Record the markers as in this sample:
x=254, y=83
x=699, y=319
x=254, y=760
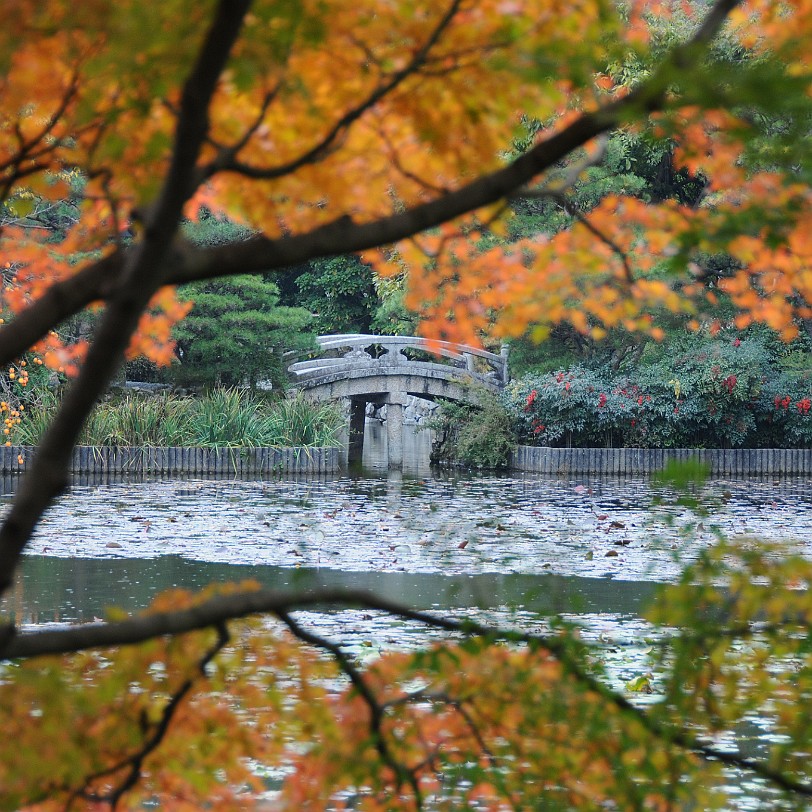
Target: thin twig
x=376, y=710
x=326, y=143
x=134, y=763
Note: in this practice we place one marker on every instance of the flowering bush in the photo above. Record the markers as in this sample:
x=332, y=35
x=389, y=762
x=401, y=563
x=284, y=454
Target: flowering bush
x=698, y=392
x=560, y=408
x=784, y=409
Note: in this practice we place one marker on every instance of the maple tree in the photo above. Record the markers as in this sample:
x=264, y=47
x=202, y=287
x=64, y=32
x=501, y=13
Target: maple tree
x=333, y=127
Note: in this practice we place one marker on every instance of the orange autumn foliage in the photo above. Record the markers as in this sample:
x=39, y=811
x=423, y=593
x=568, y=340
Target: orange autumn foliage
x=329, y=126
x=381, y=108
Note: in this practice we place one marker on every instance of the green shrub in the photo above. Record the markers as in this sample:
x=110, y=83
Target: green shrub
x=479, y=437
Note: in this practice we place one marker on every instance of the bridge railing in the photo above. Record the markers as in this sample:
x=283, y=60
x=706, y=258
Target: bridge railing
x=390, y=349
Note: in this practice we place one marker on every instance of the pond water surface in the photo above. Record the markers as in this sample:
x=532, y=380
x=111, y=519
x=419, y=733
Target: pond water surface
x=506, y=549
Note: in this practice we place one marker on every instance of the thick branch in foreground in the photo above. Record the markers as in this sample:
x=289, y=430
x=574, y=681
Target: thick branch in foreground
x=220, y=610
x=140, y=278
x=183, y=262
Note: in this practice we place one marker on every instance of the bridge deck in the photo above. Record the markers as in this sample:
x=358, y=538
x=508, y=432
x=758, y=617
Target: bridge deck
x=388, y=358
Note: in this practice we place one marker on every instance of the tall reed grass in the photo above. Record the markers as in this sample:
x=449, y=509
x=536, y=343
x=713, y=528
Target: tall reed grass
x=222, y=418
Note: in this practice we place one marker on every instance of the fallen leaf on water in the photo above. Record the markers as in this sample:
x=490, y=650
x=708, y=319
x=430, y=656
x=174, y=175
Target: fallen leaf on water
x=640, y=684
x=462, y=545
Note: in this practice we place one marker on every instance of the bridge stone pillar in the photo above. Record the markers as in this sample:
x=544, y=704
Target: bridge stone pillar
x=394, y=432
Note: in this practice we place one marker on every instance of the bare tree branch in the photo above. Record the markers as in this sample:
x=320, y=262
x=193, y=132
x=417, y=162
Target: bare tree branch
x=578, y=215
x=376, y=710
x=458, y=705
x=227, y=153
x=27, y=145
x=344, y=235
x=315, y=153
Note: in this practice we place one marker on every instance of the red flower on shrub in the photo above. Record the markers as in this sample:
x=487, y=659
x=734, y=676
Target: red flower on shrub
x=804, y=405
x=782, y=402
x=729, y=383
x=737, y=342
x=531, y=399
x=601, y=400
x=640, y=401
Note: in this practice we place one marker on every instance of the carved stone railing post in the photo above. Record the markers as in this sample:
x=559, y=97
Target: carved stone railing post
x=396, y=353
x=504, y=352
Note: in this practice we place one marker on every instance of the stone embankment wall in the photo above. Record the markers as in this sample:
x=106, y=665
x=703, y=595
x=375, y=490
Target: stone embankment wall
x=186, y=461
x=637, y=461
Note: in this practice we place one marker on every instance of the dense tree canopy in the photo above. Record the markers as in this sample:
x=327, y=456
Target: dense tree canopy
x=325, y=128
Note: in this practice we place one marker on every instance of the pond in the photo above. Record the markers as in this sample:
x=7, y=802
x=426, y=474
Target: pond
x=506, y=549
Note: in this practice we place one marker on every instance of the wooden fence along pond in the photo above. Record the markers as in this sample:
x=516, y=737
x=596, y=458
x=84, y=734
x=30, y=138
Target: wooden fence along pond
x=233, y=462
x=237, y=462
x=641, y=461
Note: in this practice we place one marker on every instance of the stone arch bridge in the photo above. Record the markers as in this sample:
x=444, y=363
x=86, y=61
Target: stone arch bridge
x=387, y=370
